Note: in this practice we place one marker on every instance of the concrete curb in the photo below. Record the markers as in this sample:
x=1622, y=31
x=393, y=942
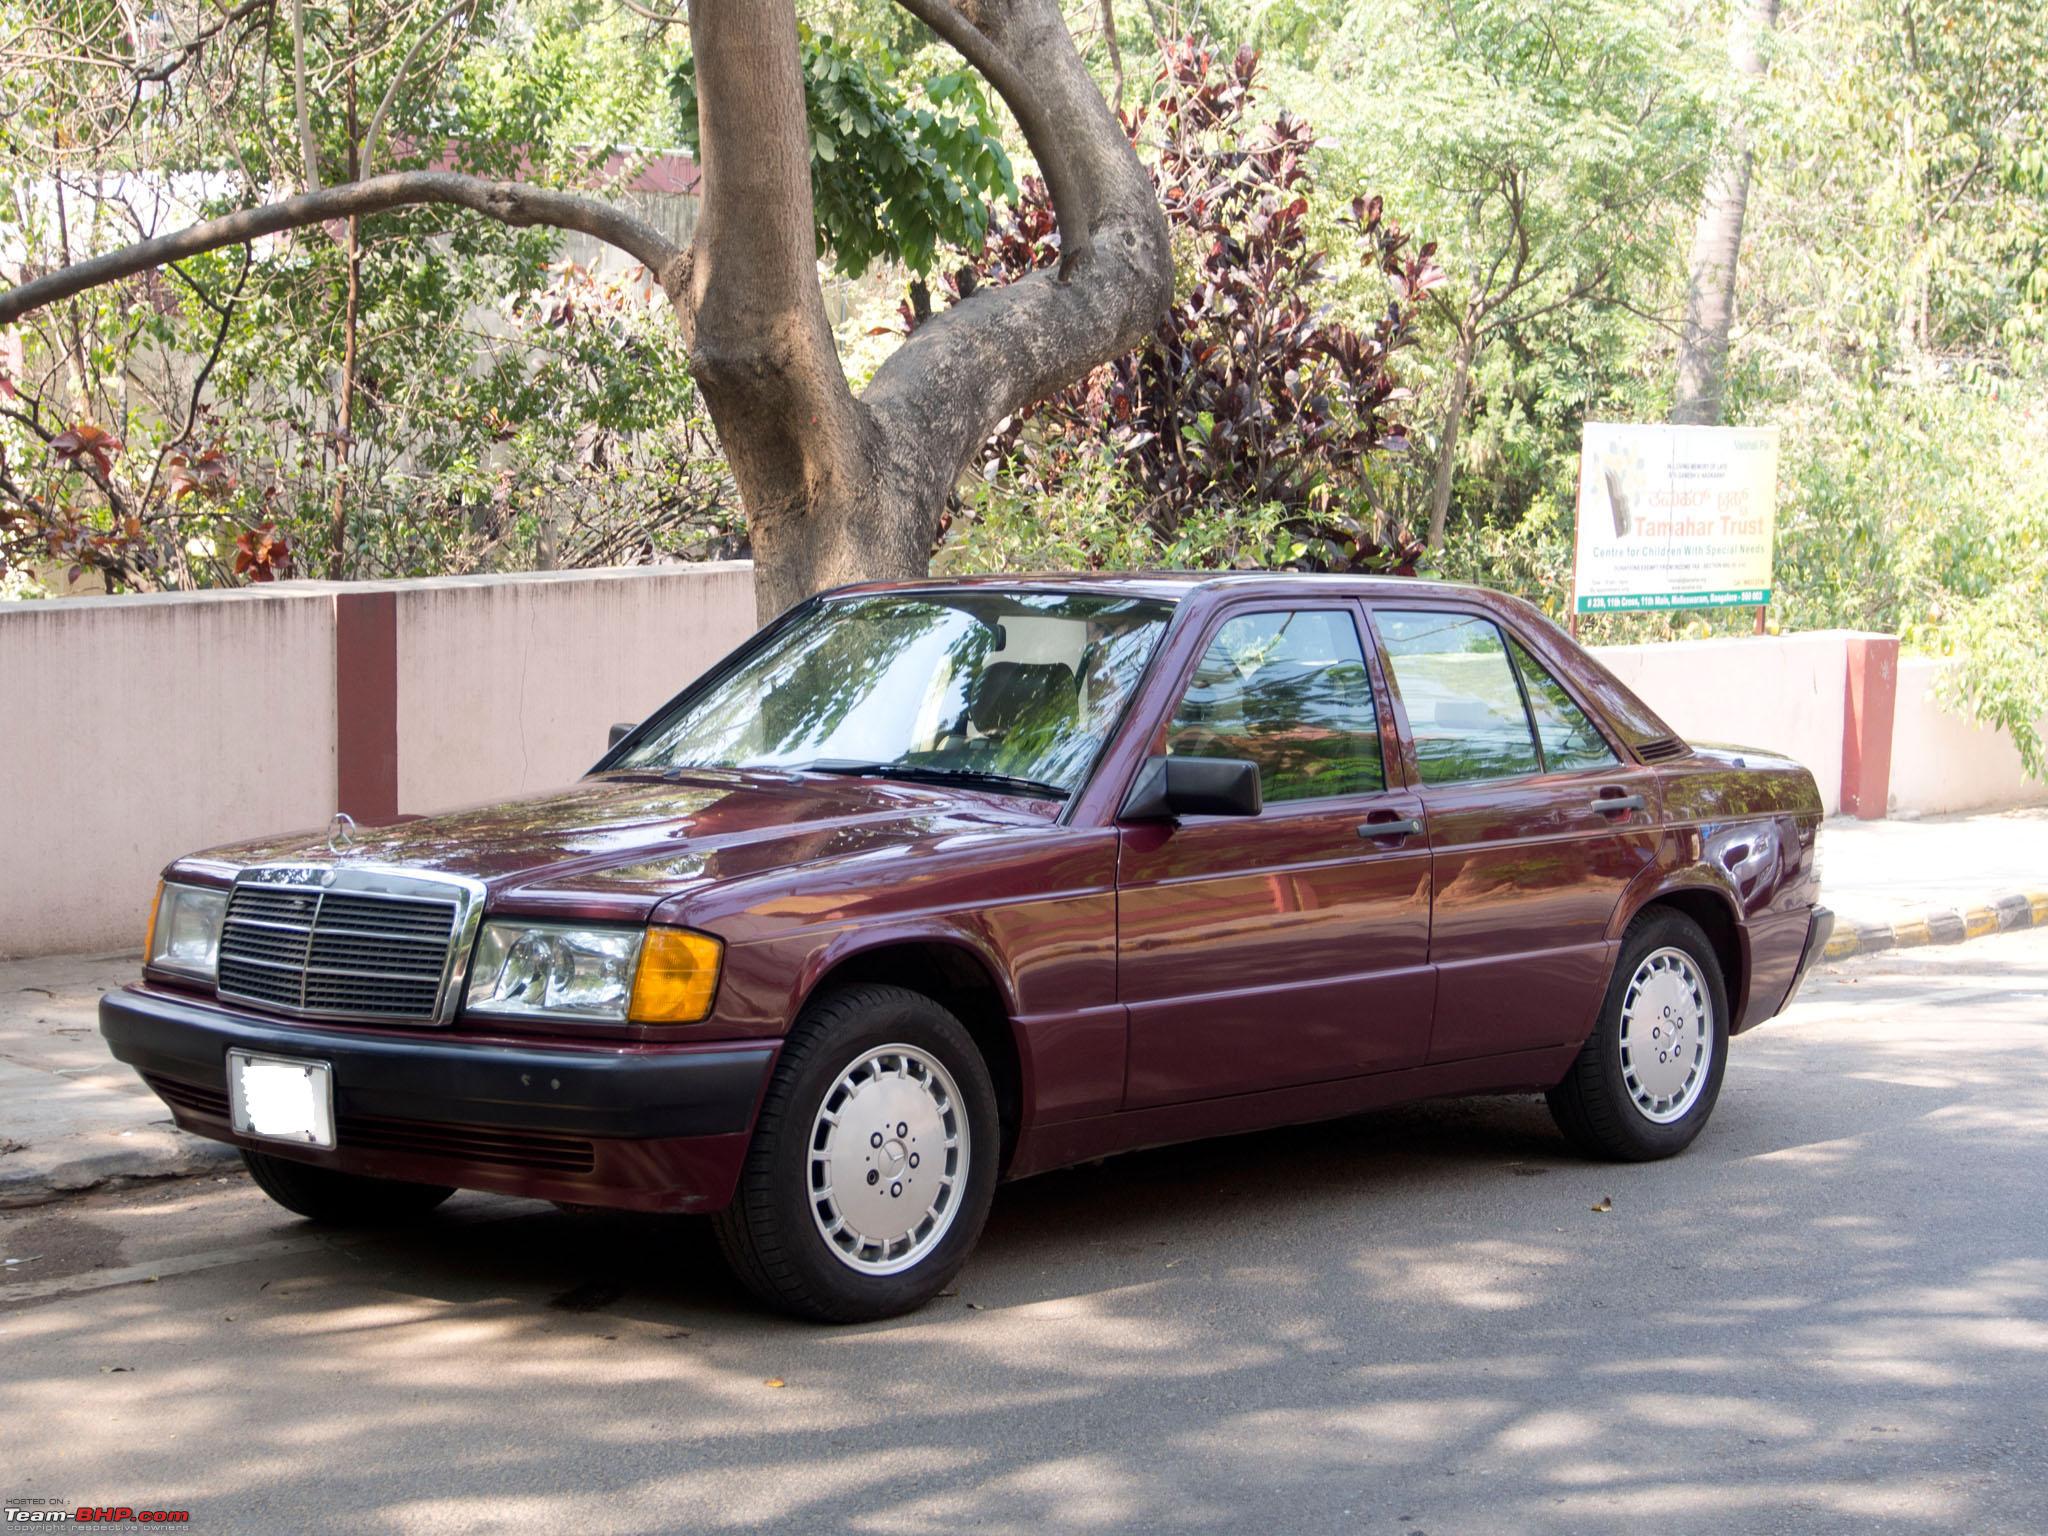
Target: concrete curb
x=1940, y=925
x=77, y=1165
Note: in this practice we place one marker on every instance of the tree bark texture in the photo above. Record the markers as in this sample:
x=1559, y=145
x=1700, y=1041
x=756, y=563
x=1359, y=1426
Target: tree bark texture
x=837, y=488
x=1717, y=246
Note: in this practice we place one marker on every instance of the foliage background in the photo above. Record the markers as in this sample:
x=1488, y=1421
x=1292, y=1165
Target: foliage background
x=515, y=410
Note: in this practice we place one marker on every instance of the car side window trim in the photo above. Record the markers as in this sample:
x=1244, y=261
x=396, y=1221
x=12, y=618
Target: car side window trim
x=1368, y=646
x=1399, y=766
x=1507, y=647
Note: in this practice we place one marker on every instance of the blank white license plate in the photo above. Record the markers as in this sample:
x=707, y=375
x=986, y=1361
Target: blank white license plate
x=282, y=1098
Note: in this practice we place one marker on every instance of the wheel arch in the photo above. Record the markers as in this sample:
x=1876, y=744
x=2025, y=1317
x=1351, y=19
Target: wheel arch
x=958, y=976
x=1715, y=913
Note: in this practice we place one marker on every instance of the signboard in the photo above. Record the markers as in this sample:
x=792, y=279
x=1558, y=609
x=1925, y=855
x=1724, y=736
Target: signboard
x=1675, y=517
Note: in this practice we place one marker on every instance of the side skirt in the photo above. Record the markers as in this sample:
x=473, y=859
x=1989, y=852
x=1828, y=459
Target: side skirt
x=1045, y=1147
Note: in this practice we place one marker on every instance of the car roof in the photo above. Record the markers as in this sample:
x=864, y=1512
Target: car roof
x=1175, y=585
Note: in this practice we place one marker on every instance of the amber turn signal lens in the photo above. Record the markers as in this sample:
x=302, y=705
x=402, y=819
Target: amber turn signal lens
x=677, y=978
x=156, y=903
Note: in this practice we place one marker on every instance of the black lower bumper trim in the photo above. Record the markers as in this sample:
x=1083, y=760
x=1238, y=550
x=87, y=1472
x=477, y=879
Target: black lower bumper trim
x=628, y=1093
x=1820, y=927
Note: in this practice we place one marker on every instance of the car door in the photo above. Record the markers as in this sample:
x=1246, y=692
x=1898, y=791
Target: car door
x=1537, y=826
x=1292, y=946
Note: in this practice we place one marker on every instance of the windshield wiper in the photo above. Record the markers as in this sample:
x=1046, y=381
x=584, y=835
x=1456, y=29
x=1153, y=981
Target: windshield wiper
x=921, y=773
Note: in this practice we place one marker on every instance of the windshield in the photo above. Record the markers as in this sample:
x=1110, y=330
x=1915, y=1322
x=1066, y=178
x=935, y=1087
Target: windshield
x=1017, y=689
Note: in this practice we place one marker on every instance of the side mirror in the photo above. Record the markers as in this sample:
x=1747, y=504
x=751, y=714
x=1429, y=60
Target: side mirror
x=620, y=732
x=1194, y=786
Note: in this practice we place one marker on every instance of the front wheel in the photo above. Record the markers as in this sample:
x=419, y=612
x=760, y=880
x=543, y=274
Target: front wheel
x=1648, y=1076
x=873, y=1162
x=340, y=1199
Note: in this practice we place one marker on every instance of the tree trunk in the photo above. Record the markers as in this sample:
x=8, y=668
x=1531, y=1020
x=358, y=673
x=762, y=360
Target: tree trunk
x=839, y=489
x=351, y=301
x=1717, y=246
x=850, y=532
x=761, y=346
x=345, y=417
x=1454, y=420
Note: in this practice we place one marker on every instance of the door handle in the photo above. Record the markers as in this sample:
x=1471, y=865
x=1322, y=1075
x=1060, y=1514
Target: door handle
x=1407, y=826
x=1609, y=804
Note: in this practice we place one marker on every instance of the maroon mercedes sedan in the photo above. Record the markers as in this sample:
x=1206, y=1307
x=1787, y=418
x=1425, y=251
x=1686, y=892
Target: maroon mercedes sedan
x=932, y=885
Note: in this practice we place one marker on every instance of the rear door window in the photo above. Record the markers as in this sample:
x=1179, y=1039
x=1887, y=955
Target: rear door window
x=1458, y=687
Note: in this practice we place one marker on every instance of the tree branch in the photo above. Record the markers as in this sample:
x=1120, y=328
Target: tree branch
x=507, y=202
x=1116, y=53
x=942, y=392
x=1581, y=290
x=226, y=312
x=1050, y=138
x=177, y=58
x=660, y=18
x=309, y=148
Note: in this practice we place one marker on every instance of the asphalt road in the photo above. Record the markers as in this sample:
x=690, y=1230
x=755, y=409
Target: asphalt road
x=1831, y=1315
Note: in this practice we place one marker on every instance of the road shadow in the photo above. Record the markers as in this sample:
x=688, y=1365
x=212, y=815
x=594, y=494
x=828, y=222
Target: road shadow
x=1830, y=1314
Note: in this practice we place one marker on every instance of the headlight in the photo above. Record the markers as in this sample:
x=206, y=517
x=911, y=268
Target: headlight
x=599, y=975
x=184, y=930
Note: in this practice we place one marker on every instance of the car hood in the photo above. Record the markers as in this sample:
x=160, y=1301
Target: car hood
x=622, y=844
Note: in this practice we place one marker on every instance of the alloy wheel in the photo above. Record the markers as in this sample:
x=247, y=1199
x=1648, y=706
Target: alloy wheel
x=1667, y=1035
x=888, y=1159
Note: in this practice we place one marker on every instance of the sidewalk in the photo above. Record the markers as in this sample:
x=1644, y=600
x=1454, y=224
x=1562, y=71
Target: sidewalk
x=72, y=1117
x=1941, y=880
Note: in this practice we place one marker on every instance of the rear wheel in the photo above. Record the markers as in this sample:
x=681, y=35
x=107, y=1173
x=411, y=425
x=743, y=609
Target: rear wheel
x=340, y=1199
x=873, y=1162
x=1648, y=1076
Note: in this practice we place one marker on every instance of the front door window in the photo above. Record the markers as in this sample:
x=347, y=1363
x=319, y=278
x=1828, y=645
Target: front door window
x=1288, y=690
x=1258, y=952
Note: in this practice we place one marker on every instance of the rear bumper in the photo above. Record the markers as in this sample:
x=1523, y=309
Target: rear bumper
x=1820, y=926
x=647, y=1128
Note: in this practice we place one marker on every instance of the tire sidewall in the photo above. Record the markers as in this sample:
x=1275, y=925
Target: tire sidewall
x=892, y=1017
x=1664, y=930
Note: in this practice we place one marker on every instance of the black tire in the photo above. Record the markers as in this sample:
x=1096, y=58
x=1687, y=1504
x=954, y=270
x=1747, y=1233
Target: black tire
x=1593, y=1105
x=341, y=1199
x=769, y=1235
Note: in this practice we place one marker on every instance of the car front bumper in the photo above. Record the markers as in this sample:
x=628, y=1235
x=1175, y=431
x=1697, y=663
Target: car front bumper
x=636, y=1127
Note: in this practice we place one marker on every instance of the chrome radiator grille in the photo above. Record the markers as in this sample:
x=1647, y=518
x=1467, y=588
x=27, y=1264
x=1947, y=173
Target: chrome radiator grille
x=344, y=942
